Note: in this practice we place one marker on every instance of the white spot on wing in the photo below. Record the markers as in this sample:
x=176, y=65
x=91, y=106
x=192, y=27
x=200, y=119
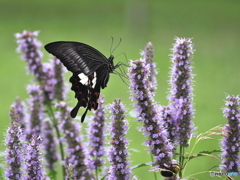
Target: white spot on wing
x=83, y=79
x=94, y=79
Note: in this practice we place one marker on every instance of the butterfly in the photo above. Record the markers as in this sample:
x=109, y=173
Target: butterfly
x=90, y=70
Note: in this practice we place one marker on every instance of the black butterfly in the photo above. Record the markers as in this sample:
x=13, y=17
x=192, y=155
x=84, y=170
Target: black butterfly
x=90, y=70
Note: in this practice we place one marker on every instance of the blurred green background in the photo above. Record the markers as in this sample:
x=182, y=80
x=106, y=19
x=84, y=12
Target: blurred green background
x=214, y=26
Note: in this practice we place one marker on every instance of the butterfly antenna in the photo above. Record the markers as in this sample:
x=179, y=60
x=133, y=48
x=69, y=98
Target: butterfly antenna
x=111, y=51
x=111, y=46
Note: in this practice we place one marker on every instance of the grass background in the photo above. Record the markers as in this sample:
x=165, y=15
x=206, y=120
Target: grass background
x=214, y=26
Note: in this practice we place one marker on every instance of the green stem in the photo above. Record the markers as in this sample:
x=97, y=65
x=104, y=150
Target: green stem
x=55, y=125
x=181, y=160
x=155, y=174
x=1, y=175
x=96, y=173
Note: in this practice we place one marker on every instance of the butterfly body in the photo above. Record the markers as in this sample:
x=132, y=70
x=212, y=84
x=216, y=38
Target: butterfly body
x=90, y=70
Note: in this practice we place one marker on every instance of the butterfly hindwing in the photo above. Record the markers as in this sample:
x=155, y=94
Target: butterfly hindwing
x=87, y=90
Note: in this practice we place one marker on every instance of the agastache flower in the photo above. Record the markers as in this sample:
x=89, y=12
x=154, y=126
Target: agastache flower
x=181, y=90
x=14, y=153
x=29, y=46
x=50, y=146
x=148, y=113
x=60, y=85
x=36, y=111
x=118, y=153
x=20, y=107
x=76, y=155
x=96, y=136
x=34, y=167
x=149, y=59
x=48, y=81
x=167, y=119
x=231, y=141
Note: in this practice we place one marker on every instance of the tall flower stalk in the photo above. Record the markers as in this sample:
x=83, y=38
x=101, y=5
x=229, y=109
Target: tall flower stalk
x=231, y=141
x=37, y=114
x=49, y=76
x=20, y=107
x=29, y=46
x=118, y=153
x=76, y=155
x=60, y=89
x=50, y=148
x=14, y=153
x=167, y=119
x=148, y=113
x=149, y=59
x=96, y=138
x=181, y=97
x=33, y=165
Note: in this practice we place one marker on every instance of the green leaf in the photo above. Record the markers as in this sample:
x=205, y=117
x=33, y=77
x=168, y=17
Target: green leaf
x=141, y=165
x=204, y=153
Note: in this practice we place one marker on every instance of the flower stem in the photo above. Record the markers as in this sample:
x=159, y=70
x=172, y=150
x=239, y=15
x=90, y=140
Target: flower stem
x=181, y=160
x=152, y=160
x=55, y=122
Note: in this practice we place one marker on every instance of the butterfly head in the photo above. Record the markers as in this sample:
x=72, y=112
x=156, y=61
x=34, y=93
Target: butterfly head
x=111, y=66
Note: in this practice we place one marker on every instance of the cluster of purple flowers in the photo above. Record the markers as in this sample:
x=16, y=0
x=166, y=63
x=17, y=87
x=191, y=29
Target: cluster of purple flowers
x=231, y=141
x=180, y=97
x=37, y=131
x=148, y=113
x=24, y=159
x=118, y=153
x=48, y=74
x=34, y=167
x=97, y=136
x=75, y=152
x=165, y=126
x=14, y=154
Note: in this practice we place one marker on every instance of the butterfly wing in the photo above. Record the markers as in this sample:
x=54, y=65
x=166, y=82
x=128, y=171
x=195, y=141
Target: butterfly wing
x=87, y=90
x=77, y=57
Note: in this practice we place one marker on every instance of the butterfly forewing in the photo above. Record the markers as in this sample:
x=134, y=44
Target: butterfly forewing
x=90, y=70
x=77, y=57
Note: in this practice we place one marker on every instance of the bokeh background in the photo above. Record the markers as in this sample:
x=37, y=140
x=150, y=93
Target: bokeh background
x=214, y=26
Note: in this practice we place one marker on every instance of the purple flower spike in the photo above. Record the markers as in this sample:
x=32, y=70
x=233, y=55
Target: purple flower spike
x=149, y=57
x=231, y=142
x=48, y=80
x=34, y=168
x=148, y=113
x=60, y=85
x=20, y=107
x=36, y=111
x=14, y=153
x=29, y=46
x=75, y=152
x=181, y=90
x=50, y=146
x=167, y=120
x=118, y=151
x=96, y=136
